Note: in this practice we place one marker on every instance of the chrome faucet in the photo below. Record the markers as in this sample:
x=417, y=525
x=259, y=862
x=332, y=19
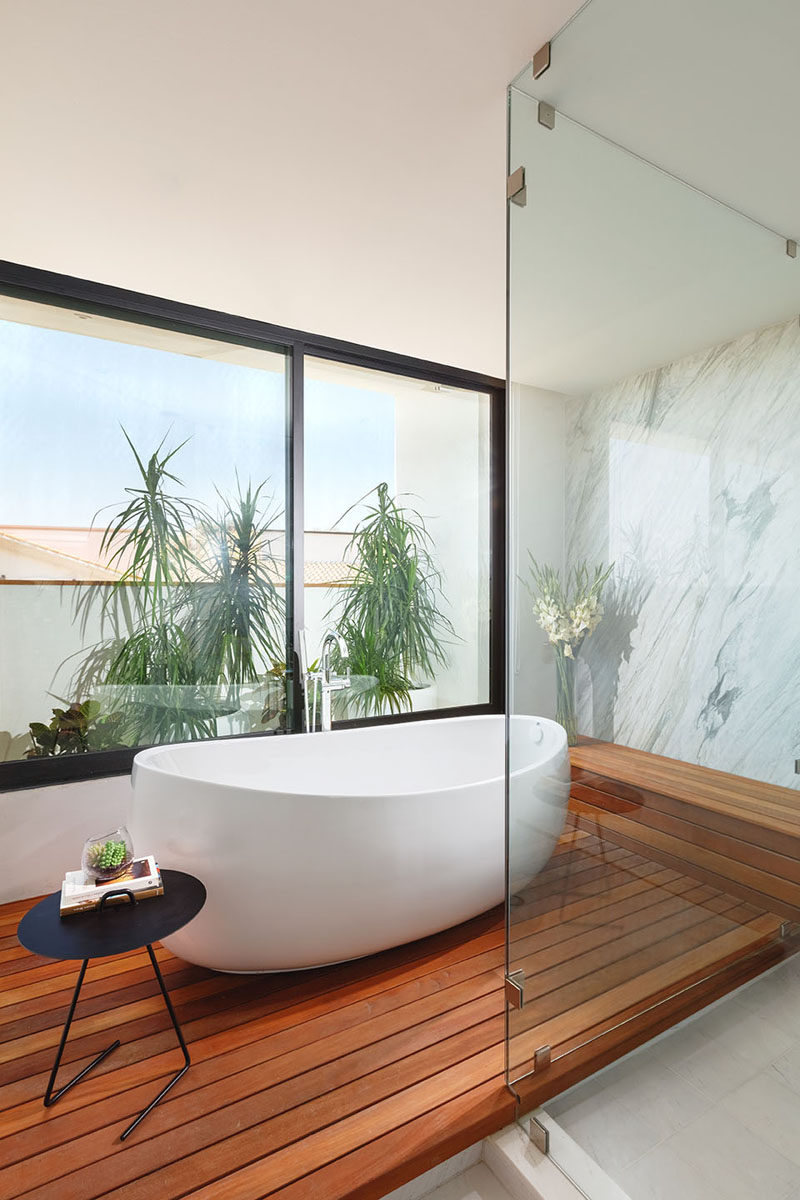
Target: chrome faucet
x=332, y=638
x=324, y=680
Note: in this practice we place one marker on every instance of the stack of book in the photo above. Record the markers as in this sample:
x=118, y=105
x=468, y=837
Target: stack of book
x=81, y=893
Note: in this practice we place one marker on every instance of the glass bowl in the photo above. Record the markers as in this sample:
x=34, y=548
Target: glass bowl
x=107, y=856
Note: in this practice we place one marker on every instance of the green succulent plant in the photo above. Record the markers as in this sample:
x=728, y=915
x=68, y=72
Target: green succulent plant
x=105, y=855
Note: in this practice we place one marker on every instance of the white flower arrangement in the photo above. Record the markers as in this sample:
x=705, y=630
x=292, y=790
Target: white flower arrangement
x=568, y=612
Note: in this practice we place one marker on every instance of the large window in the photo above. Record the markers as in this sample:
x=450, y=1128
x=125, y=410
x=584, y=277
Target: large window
x=182, y=492
x=398, y=509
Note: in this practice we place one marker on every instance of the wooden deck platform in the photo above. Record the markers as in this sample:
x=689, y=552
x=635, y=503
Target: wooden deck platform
x=738, y=834
x=348, y=1081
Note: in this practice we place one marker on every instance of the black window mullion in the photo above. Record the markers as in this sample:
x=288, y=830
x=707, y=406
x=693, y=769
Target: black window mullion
x=295, y=530
x=60, y=290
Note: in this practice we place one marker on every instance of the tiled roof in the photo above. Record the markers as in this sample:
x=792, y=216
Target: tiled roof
x=78, y=553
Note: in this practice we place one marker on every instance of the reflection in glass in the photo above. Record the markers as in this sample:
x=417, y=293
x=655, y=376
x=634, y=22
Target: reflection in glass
x=655, y=366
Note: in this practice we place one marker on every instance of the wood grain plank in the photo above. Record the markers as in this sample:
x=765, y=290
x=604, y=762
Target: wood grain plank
x=228, y=1105
x=781, y=862
x=571, y=988
x=402, y=1154
x=712, y=861
x=221, y=1140
x=719, y=872
x=754, y=802
x=348, y=1081
x=261, y=1175
x=715, y=820
x=268, y=995
x=305, y=1020
x=607, y=1006
x=604, y=1045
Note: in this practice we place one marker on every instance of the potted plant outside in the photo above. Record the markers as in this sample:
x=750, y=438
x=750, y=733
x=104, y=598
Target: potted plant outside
x=392, y=617
x=195, y=614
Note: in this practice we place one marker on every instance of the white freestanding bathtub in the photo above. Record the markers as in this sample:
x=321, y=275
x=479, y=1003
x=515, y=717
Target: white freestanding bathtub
x=316, y=848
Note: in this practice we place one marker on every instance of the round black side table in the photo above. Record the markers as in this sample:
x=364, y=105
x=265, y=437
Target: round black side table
x=112, y=929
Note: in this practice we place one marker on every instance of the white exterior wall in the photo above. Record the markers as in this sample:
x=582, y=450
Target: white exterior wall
x=441, y=457
x=37, y=633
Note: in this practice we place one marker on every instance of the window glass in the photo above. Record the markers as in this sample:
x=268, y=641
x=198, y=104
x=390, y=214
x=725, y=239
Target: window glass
x=142, y=499
x=397, y=549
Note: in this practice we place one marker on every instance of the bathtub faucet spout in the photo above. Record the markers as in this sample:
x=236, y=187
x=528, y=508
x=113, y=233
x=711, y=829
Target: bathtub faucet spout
x=333, y=638
x=325, y=677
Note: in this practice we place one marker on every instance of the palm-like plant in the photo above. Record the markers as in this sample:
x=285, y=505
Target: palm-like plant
x=389, y=688
x=148, y=540
x=152, y=533
x=392, y=617
x=237, y=623
x=195, y=606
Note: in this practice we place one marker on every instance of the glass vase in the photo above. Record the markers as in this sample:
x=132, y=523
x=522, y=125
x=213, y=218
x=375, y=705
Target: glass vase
x=565, y=696
x=107, y=856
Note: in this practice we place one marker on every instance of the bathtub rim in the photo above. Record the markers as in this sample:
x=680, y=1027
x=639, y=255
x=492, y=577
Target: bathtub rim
x=144, y=760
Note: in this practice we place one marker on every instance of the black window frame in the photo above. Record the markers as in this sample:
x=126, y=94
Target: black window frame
x=67, y=291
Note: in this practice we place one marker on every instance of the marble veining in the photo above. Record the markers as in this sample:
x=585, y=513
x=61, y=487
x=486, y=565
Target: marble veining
x=688, y=478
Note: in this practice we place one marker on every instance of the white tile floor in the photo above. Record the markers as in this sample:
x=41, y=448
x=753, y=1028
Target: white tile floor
x=506, y=1166
x=709, y=1110
x=425, y=1185
x=477, y=1183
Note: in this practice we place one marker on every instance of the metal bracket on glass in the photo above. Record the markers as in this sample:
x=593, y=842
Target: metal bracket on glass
x=515, y=989
x=541, y=60
x=516, y=190
x=791, y=247
x=539, y=1135
x=541, y=1058
x=546, y=115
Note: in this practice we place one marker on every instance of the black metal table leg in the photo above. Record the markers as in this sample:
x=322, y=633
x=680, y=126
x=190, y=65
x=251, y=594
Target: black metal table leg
x=177, y=1028
x=50, y=1096
x=118, y=929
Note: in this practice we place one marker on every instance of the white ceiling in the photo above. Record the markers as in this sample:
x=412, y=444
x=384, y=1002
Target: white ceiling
x=617, y=267
x=338, y=168
x=341, y=168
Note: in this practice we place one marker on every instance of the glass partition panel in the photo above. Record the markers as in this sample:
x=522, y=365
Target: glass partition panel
x=142, y=573
x=398, y=537
x=654, y=371
x=664, y=80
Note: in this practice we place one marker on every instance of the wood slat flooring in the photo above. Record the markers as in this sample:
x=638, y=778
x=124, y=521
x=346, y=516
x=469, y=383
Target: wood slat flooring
x=737, y=834
x=350, y=1080
x=756, y=804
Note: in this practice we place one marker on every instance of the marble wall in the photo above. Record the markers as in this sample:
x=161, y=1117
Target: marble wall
x=688, y=479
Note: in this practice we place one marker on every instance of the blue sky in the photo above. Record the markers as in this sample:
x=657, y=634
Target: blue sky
x=65, y=396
